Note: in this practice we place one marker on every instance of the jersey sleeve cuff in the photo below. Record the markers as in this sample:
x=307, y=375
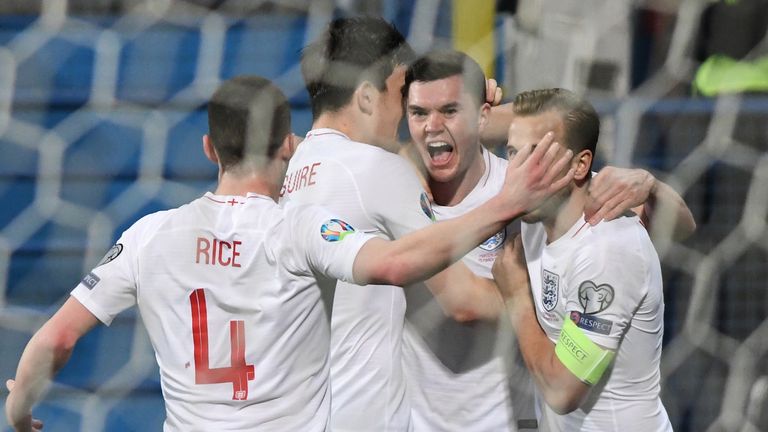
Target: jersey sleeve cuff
x=82, y=294
x=357, y=240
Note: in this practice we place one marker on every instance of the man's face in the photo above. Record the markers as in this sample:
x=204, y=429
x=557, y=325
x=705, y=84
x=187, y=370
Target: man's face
x=445, y=124
x=530, y=129
x=390, y=107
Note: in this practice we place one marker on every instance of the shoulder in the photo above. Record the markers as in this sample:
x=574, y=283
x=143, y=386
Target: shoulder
x=301, y=213
x=497, y=166
x=381, y=159
x=625, y=233
x=496, y=160
x=621, y=245
x=382, y=170
x=301, y=222
x=150, y=224
x=359, y=160
x=492, y=180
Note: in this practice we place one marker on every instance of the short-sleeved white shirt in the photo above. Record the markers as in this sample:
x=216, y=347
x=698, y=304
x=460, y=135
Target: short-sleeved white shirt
x=457, y=376
x=607, y=279
x=377, y=192
x=227, y=287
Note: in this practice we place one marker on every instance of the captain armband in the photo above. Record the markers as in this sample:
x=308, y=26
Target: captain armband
x=580, y=355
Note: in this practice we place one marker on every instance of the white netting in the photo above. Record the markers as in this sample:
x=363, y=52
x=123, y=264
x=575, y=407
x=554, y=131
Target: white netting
x=101, y=117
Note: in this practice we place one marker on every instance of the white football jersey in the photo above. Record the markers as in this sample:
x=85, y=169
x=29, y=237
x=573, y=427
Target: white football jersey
x=456, y=372
x=377, y=192
x=607, y=280
x=227, y=287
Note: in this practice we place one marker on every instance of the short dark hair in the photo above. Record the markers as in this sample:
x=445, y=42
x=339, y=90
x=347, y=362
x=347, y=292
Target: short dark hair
x=440, y=64
x=582, y=124
x=350, y=51
x=248, y=117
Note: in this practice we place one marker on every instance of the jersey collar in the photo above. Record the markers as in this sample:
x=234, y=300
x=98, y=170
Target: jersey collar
x=326, y=131
x=232, y=200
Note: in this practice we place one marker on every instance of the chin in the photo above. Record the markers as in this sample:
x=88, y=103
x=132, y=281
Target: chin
x=532, y=217
x=442, y=174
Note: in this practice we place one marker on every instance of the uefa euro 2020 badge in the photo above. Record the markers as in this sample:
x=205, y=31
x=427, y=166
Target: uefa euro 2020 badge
x=335, y=230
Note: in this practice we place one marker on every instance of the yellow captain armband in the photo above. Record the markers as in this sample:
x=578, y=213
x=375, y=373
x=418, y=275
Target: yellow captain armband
x=580, y=355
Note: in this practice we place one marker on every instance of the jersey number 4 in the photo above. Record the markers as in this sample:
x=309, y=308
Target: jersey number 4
x=238, y=373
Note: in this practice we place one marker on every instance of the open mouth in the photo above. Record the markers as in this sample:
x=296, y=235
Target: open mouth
x=439, y=151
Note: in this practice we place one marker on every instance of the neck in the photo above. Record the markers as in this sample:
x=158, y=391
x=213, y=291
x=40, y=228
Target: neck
x=356, y=127
x=266, y=182
x=454, y=191
x=344, y=121
x=566, y=215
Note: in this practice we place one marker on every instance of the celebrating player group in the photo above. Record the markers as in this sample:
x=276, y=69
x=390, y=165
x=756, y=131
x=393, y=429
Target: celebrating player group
x=349, y=282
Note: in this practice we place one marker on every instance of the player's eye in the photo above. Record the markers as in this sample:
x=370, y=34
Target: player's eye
x=417, y=113
x=511, y=152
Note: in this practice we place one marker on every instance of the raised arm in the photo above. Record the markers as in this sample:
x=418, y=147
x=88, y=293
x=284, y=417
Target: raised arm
x=613, y=191
x=45, y=354
x=422, y=254
x=495, y=132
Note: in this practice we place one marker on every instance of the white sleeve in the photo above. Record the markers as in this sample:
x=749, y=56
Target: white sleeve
x=397, y=203
x=604, y=287
x=326, y=243
x=110, y=287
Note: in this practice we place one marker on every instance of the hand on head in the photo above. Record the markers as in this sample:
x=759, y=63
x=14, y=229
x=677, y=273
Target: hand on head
x=493, y=92
x=537, y=172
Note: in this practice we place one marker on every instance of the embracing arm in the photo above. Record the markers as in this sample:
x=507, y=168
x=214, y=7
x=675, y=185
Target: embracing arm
x=45, y=354
x=532, y=176
x=423, y=254
x=613, y=191
x=664, y=203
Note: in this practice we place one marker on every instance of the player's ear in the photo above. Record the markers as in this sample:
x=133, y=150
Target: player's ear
x=482, y=119
x=583, y=161
x=209, y=151
x=288, y=147
x=366, y=96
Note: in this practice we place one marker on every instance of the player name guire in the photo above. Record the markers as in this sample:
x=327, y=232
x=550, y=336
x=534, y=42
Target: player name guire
x=299, y=178
x=217, y=252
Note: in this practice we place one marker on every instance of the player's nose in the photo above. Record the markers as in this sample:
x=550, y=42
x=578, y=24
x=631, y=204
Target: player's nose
x=434, y=122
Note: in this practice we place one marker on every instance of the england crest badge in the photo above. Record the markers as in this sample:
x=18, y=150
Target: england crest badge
x=495, y=241
x=550, y=288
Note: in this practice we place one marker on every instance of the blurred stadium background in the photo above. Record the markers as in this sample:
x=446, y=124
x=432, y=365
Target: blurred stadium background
x=102, y=110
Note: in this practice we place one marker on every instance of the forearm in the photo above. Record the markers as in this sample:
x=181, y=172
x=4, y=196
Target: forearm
x=41, y=359
x=46, y=353
x=425, y=252
x=562, y=391
x=465, y=296
x=665, y=204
